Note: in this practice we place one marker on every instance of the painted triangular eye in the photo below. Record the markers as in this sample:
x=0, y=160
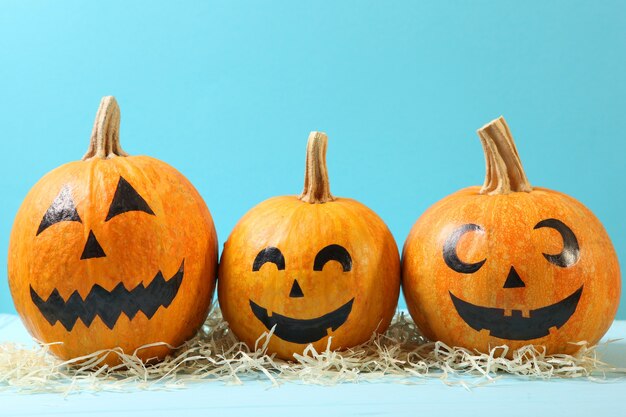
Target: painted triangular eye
x=62, y=209
x=127, y=199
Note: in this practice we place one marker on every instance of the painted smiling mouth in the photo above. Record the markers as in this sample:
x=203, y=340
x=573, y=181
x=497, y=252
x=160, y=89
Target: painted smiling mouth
x=109, y=305
x=302, y=331
x=515, y=326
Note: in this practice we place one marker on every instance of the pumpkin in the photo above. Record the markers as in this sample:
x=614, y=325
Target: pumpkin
x=112, y=251
x=316, y=269
x=510, y=264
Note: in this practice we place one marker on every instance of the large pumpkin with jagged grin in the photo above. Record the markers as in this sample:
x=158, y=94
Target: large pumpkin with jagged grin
x=112, y=251
x=509, y=264
x=315, y=269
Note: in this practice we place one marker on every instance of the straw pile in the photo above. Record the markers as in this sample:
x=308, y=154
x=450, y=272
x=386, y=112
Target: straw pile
x=400, y=355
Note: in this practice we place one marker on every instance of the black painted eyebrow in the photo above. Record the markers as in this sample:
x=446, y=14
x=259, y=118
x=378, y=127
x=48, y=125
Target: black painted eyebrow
x=62, y=209
x=127, y=199
x=269, y=254
x=333, y=253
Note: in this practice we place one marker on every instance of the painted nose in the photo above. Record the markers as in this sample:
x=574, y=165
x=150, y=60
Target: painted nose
x=92, y=248
x=296, y=291
x=513, y=280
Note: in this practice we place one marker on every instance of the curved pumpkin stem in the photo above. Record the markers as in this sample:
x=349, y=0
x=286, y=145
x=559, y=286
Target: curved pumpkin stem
x=505, y=173
x=105, y=136
x=316, y=184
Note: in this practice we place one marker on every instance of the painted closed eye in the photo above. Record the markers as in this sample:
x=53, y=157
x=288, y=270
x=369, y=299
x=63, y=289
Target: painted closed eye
x=62, y=209
x=571, y=251
x=127, y=199
x=333, y=253
x=449, y=250
x=269, y=254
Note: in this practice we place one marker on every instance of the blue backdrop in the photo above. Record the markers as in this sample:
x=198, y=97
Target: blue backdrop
x=227, y=92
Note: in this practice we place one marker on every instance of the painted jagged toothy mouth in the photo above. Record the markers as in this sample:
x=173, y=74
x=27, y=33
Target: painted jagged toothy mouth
x=515, y=326
x=302, y=330
x=109, y=305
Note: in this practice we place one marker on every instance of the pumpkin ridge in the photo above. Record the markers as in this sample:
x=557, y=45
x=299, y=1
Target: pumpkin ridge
x=131, y=165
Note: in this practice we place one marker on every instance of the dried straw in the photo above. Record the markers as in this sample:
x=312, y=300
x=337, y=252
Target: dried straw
x=400, y=355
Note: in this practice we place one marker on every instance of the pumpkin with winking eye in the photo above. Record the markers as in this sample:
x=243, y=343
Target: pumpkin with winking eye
x=510, y=264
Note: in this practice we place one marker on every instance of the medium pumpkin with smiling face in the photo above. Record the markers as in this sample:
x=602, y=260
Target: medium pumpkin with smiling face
x=310, y=267
x=509, y=264
x=112, y=251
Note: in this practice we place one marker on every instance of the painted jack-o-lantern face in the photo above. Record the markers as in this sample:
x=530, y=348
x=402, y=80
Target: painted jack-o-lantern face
x=105, y=304
x=519, y=325
x=510, y=264
x=310, y=268
x=112, y=251
x=304, y=330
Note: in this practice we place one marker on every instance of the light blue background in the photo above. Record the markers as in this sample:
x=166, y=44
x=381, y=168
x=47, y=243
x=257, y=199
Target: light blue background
x=227, y=92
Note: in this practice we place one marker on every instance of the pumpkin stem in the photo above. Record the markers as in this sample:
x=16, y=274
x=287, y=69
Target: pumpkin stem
x=105, y=136
x=316, y=184
x=505, y=173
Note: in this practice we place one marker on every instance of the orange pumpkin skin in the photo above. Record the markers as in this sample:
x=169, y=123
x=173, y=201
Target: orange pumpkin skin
x=137, y=245
x=509, y=239
x=300, y=230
